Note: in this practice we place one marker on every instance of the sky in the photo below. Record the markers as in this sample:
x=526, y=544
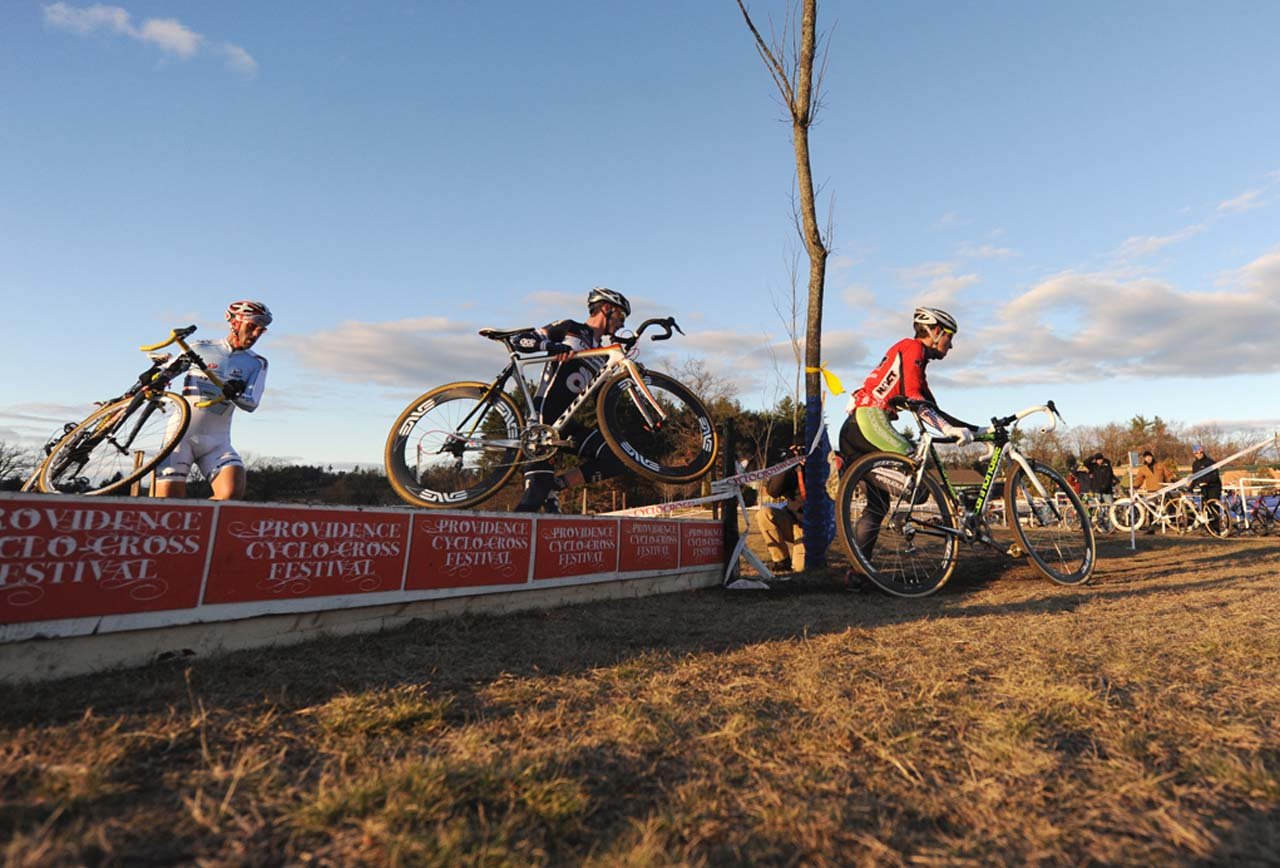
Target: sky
x=1091, y=188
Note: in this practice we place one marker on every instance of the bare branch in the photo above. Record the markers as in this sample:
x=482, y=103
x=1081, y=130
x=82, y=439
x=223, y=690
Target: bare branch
x=771, y=62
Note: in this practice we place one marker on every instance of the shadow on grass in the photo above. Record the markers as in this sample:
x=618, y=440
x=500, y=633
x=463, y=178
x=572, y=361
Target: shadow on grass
x=460, y=656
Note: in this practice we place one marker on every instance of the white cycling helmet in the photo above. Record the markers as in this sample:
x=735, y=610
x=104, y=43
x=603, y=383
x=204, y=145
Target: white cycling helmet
x=931, y=316
x=602, y=294
x=253, y=311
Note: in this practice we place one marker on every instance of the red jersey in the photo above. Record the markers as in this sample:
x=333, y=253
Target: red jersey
x=900, y=374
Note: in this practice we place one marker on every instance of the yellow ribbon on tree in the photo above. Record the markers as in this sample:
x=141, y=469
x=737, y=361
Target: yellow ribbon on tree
x=832, y=381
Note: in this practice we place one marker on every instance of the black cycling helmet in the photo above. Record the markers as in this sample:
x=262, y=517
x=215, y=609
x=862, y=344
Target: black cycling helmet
x=602, y=294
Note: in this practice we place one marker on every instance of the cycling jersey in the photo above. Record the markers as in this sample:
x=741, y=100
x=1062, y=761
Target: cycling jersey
x=208, y=438
x=900, y=375
x=562, y=381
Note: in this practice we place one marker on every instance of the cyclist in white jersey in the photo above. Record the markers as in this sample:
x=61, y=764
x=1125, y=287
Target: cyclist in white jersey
x=207, y=442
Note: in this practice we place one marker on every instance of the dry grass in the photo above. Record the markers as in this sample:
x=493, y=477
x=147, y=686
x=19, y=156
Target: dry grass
x=1132, y=721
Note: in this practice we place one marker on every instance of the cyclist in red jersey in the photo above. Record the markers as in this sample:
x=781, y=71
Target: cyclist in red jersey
x=898, y=378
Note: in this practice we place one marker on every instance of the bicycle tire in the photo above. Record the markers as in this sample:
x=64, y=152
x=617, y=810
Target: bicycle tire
x=681, y=448
x=1219, y=523
x=99, y=456
x=452, y=468
x=897, y=563
x=1065, y=556
x=1184, y=518
x=1128, y=515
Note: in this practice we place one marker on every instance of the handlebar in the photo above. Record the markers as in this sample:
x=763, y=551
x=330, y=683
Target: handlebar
x=179, y=337
x=667, y=324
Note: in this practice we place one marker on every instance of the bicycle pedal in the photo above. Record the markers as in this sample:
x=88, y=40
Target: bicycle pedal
x=1015, y=551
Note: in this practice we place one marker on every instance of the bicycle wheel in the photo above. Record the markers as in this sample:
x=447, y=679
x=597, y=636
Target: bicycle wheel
x=1064, y=555
x=1184, y=518
x=1219, y=522
x=681, y=447
x=454, y=446
x=116, y=445
x=1128, y=514
x=901, y=537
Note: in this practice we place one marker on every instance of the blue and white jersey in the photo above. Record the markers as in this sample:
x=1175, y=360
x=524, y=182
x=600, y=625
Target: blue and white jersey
x=227, y=364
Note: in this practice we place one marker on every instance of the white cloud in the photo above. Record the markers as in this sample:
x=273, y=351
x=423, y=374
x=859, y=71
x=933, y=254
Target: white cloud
x=1144, y=245
x=858, y=296
x=985, y=251
x=421, y=353
x=171, y=36
x=938, y=282
x=1246, y=201
x=88, y=19
x=239, y=59
x=1077, y=327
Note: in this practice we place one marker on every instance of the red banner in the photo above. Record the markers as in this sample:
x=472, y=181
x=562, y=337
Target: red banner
x=649, y=545
x=701, y=543
x=459, y=550
x=70, y=559
x=275, y=553
x=568, y=547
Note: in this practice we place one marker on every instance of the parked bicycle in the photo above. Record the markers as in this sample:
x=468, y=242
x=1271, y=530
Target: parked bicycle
x=126, y=437
x=1255, y=515
x=913, y=521
x=1179, y=513
x=1099, y=514
x=457, y=445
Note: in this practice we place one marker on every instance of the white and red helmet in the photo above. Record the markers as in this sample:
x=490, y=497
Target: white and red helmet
x=251, y=311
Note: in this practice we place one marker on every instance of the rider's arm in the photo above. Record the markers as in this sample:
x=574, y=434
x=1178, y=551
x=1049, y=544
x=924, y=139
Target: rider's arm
x=553, y=338
x=249, y=399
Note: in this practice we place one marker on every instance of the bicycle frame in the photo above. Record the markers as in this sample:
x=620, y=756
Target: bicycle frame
x=619, y=357
x=1002, y=451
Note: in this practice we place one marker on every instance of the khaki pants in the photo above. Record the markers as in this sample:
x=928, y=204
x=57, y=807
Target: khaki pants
x=783, y=535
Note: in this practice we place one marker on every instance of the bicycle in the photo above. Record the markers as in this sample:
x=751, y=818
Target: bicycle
x=458, y=444
x=126, y=437
x=1099, y=514
x=1254, y=516
x=1181, y=514
x=915, y=521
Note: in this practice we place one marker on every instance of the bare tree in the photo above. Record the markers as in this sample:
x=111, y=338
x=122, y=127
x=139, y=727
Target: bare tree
x=790, y=60
x=15, y=461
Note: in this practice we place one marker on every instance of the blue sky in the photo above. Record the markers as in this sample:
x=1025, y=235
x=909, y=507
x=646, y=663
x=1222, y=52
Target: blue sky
x=1091, y=188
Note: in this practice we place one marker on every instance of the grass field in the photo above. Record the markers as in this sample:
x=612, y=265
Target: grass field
x=1135, y=720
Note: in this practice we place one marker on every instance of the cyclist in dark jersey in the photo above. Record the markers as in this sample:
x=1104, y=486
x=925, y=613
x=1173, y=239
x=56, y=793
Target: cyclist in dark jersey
x=562, y=381
x=897, y=379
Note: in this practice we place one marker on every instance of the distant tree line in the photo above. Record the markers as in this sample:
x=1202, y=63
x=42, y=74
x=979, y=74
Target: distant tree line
x=760, y=438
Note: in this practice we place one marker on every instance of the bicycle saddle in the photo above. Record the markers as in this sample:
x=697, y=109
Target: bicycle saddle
x=502, y=334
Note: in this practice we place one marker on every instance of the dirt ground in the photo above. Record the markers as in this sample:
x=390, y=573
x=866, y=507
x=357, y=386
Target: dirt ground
x=1006, y=720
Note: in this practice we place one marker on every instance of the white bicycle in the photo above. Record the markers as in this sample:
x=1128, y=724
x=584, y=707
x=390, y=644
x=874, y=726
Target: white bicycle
x=457, y=445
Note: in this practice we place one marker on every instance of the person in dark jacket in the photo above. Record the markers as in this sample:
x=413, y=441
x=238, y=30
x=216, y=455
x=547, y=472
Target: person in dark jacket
x=1103, y=477
x=1210, y=484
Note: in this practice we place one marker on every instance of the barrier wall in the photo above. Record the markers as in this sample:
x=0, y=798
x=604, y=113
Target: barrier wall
x=72, y=567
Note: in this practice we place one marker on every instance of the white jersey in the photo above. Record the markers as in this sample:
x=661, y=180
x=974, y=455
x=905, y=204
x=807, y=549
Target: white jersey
x=227, y=364
x=208, y=439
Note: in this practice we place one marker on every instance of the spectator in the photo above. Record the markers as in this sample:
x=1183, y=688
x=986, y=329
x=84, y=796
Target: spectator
x=1150, y=477
x=1210, y=484
x=1102, y=476
x=1077, y=476
x=780, y=523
